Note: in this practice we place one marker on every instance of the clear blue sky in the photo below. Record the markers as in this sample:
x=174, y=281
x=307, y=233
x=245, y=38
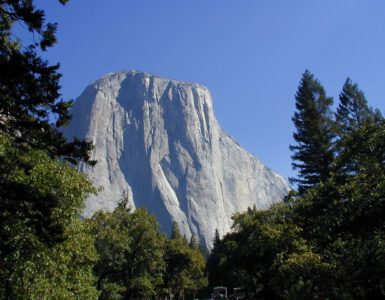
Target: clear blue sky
x=249, y=53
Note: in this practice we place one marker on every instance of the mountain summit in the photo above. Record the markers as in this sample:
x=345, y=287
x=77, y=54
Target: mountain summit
x=157, y=141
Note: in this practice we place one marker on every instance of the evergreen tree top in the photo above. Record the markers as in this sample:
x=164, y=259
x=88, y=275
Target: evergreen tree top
x=352, y=113
x=312, y=153
x=29, y=86
x=353, y=107
x=175, y=232
x=217, y=238
x=194, y=244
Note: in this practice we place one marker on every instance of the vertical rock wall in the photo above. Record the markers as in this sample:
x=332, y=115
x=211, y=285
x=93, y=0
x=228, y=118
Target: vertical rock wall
x=158, y=141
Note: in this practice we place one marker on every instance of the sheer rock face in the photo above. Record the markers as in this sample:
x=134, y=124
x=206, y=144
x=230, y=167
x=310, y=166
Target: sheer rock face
x=157, y=141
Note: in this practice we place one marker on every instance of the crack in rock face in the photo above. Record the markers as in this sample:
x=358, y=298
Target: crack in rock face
x=157, y=141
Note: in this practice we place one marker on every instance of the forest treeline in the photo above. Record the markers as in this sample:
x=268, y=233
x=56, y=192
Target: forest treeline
x=47, y=251
x=325, y=241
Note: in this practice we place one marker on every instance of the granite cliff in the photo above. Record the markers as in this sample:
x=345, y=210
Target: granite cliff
x=158, y=141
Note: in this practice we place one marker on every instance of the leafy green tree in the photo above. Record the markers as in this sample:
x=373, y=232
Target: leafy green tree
x=303, y=276
x=327, y=242
x=64, y=271
x=343, y=224
x=40, y=205
x=130, y=247
x=262, y=246
x=313, y=153
x=184, y=267
x=343, y=220
x=196, y=276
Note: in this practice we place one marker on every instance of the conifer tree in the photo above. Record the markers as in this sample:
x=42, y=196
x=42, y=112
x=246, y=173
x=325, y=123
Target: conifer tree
x=175, y=232
x=35, y=211
x=217, y=237
x=352, y=113
x=194, y=244
x=29, y=86
x=353, y=108
x=313, y=153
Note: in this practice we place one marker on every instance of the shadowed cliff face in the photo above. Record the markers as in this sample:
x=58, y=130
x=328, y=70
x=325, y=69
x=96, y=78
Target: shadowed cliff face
x=157, y=140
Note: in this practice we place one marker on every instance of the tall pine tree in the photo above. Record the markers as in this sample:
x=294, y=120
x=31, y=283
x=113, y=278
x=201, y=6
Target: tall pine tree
x=352, y=113
x=313, y=152
x=29, y=86
x=353, y=108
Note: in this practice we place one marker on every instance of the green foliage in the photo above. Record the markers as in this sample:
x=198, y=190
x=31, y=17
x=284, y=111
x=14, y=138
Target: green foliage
x=29, y=86
x=327, y=242
x=46, y=251
x=64, y=271
x=303, y=276
x=137, y=261
x=352, y=109
x=313, y=153
x=263, y=246
x=131, y=253
x=362, y=150
x=40, y=204
x=175, y=232
x=344, y=218
x=193, y=243
x=352, y=114
x=184, y=267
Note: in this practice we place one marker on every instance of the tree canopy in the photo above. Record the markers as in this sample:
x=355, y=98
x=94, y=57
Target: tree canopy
x=29, y=86
x=131, y=253
x=46, y=250
x=326, y=242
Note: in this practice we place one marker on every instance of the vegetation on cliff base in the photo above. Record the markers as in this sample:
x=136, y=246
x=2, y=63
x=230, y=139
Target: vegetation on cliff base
x=327, y=241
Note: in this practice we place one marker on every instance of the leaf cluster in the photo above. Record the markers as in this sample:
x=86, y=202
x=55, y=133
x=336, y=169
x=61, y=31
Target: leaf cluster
x=137, y=261
x=42, y=242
